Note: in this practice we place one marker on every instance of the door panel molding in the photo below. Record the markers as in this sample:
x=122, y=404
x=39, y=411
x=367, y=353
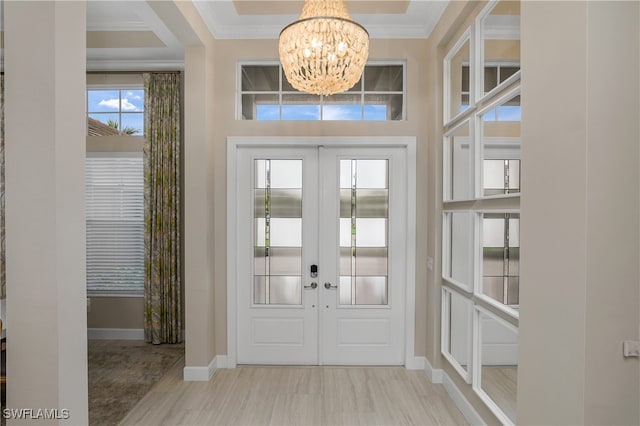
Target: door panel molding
x=234, y=143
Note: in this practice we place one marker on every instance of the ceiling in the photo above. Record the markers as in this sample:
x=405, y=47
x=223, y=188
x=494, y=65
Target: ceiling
x=121, y=33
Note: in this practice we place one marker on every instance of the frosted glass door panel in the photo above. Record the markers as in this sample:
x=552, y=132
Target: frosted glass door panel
x=364, y=212
x=277, y=207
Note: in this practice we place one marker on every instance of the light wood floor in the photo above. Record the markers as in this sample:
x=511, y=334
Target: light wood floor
x=501, y=384
x=251, y=395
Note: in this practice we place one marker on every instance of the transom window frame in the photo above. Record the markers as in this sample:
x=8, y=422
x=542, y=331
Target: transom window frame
x=280, y=93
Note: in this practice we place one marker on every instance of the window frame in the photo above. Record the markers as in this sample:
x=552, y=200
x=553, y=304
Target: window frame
x=362, y=92
x=497, y=145
x=120, y=87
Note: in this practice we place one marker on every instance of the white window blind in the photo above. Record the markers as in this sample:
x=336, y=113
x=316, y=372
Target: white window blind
x=115, y=224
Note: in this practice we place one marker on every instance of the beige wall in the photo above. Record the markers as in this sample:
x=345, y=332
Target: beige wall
x=579, y=229
x=45, y=214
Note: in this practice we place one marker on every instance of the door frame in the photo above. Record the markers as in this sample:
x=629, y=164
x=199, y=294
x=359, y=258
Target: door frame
x=236, y=142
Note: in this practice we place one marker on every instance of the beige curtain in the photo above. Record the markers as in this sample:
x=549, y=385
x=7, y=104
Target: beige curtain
x=163, y=299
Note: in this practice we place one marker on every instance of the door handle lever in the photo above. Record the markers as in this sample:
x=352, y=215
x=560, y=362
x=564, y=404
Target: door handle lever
x=328, y=286
x=313, y=285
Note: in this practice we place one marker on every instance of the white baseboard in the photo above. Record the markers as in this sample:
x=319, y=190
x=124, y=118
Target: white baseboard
x=204, y=374
x=115, y=334
x=434, y=374
x=118, y=334
x=437, y=375
x=415, y=363
x=461, y=402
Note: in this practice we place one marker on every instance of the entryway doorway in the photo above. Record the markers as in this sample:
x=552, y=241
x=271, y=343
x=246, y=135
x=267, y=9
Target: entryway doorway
x=320, y=260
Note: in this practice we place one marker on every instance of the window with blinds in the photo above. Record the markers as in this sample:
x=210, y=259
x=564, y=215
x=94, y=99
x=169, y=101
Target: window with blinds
x=115, y=224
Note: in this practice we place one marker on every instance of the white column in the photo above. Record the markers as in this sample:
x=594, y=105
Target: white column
x=580, y=233
x=45, y=72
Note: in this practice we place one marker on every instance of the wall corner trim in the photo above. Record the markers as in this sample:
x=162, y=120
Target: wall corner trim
x=204, y=374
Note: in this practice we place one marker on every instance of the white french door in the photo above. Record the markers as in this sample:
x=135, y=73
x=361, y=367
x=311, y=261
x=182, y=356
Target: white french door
x=321, y=268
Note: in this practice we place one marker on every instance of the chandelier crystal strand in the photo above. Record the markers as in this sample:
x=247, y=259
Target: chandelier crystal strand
x=324, y=51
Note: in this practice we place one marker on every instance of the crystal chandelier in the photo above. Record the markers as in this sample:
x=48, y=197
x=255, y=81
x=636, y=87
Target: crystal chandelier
x=324, y=51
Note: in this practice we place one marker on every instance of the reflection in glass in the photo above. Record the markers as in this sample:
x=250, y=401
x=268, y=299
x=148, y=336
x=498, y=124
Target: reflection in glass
x=456, y=339
x=499, y=363
x=277, y=197
x=263, y=78
x=500, y=31
x=460, y=252
x=364, y=211
x=500, y=257
x=459, y=164
x=458, y=81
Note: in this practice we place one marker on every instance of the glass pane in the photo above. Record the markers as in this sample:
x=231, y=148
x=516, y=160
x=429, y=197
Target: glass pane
x=285, y=290
x=506, y=72
x=259, y=289
x=460, y=256
x=300, y=107
x=345, y=260
x=490, y=78
x=371, y=261
x=342, y=107
x=363, y=231
x=459, y=166
x=285, y=261
x=132, y=124
x=459, y=329
x=371, y=174
x=260, y=232
x=132, y=100
x=286, y=232
x=499, y=363
x=286, y=173
x=103, y=100
x=110, y=119
x=259, y=260
x=371, y=232
x=260, y=78
x=284, y=203
x=345, y=174
x=372, y=203
x=371, y=291
x=383, y=106
x=260, y=107
x=493, y=177
x=345, y=290
x=458, y=76
x=501, y=42
x=383, y=78
x=278, y=232
x=345, y=232
x=501, y=257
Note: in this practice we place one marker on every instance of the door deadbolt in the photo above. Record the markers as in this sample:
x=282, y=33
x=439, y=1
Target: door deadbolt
x=314, y=271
